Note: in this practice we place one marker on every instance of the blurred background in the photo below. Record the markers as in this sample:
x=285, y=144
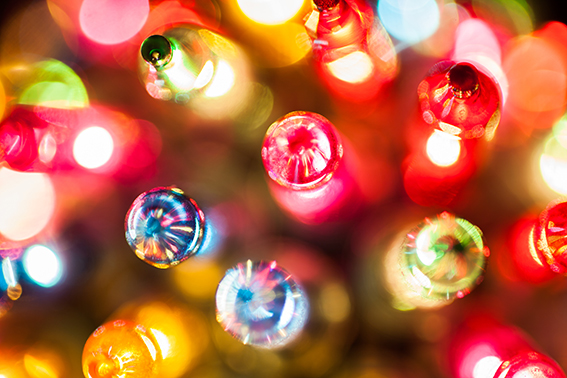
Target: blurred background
x=66, y=266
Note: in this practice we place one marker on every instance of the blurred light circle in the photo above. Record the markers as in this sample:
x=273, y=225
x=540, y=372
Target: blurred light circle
x=410, y=21
x=443, y=149
x=113, y=22
x=27, y=201
x=355, y=67
x=93, y=147
x=42, y=265
x=270, y=12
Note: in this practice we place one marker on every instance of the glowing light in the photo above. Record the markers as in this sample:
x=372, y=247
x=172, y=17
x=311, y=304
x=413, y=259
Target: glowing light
x=409, y=21
x=553, y=160
x=43, y=265
x=223, y=80
x=40, y=368
x=179, y=75
x=486, y=367
x=270, y=12
x=335, y=303
x=53, y=84
x=443, y=149
x=113, y=22
x=205, y=75
x=536, y=73
x=93, y=147
x=355, y=67
x=27, y=201
x=9, y=273
x=162, y=341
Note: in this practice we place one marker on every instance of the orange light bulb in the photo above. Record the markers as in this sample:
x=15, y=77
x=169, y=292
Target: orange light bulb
x=120, y=349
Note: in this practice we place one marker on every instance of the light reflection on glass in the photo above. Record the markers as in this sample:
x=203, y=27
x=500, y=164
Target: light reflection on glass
x=553, y=159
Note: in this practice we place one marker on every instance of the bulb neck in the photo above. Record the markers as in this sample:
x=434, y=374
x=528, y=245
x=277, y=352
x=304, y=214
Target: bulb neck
x=463, y=79
x=328, y=5
x=157, y=51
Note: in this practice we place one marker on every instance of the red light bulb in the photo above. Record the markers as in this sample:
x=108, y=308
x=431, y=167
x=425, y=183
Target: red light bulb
x=460, y=99
x=354, y=54
x=550, y=236
x=481, y=346
x=303, y=156
x=529, y=365
x=18, y=146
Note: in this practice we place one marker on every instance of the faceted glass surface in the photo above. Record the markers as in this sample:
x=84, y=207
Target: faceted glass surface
x=444, y=257
x=552, y=236
x=530, y=364
x=301, y=150
x=260, y=304
x=461, y=100
x=164, y=227
x=120, y=349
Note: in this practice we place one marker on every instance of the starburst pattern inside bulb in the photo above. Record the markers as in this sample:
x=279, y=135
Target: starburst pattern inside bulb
x=261, y=304
x=301, y=150
x=444, y=257
x=551, y=236
x=120, y=349
x=164, y=227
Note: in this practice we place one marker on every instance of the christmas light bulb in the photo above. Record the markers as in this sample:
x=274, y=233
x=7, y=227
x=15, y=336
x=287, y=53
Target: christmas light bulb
x=441, y=259
x=192, y=65
x=460, y=99
x=482, y=347
x=121, y=349
x=529, y=365
x=18, y=144
x=303, y=156
x=261, y=304
x=550, y=236
x=164, y=227
x=355, y=55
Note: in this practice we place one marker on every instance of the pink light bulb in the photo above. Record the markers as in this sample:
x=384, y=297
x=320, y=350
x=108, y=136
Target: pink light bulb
x=309, y=178
x=301, y=150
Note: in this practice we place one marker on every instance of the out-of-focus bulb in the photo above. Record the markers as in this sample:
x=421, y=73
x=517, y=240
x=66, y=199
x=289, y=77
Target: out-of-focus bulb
x=261, y=304
x=440, y=260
